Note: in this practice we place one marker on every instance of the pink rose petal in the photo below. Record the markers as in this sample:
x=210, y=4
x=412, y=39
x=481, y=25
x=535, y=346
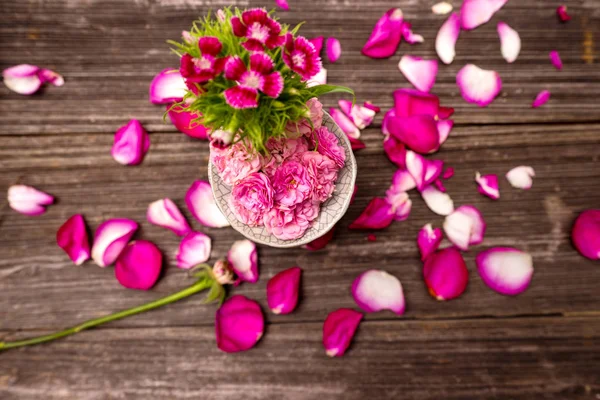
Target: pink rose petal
x=22, y=79
x=445, y=274
x=317, y=43
x=131, y=143
x=403, y=181
x=448, y=173
x=585, y=234
x=283, y=4
x=243, y=258
x=164, y=213
x=377, y=215
x=561, y=12
x=376, y=290
x=429, y=240
x=465, y=227
x=239, y=324
x=409, y=36
x=510, y=42
x=395, y=150
x=321, y=242
x=49, y=76
x=72, y=237
x=444, y=127
x=419, y=132
x=110, y=239
x=28, y=200
x=400, y=202
x=505, y=270
x=139, y=265
x=356, y=144
x=201, y=203
x=371, y=106
x=339, y=329
x=488, y=185
x=445, y=41
x=423, y=171
x=186, y=122
x=541, y=99
x=283, y=290
x=477, y=12
x=421, y=73
x=386, y=35
x=478, y=86
x=437, y=201
x=441, y=8
x=361, y=116
x=167, y=87
x=334, y=49
x=345, y=123
x=521, y=177
x=555, y=60
x=194, y=250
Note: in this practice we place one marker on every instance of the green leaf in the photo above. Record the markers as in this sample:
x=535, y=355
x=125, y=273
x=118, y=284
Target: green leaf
x=324, y=89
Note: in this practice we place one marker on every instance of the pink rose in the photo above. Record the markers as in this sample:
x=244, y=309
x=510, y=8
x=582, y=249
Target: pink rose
x=291, y=183
x=251, y=198
x=323, y=173
x=327, y=144
x=283, y=148
x=235, y=162
x=289, y=224
x=303, y=127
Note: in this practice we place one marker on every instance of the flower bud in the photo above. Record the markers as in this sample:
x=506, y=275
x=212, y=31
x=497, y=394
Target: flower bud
x=223, y=272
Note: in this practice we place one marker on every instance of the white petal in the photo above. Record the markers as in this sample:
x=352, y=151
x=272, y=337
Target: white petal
x=510, y=42
x=521, y=177
x=421, y=73
x=441, y=8
x=438, y=202
x=447, y=36
x=477, y=85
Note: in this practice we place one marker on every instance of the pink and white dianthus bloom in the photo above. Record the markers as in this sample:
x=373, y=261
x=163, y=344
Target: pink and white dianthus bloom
x=207, y=66
x=313, y=120
x=290, y=224
x=327, y=144
x=251, y=198
x=235, y=162
x=258, y=77
x=259, y=29
x=291, y=184
x=301, y=56
x=323, y=172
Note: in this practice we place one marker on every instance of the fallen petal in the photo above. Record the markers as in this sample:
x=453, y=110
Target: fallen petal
x=521, y=177
x=437, y=201
x=478, y=86
x=585, y=234
x=334, y=49
x=376, y=290
x=283, y=4
x=440, y=185
x=22, y=79
x=448, y=173
x=72, y=237
x=561, y=11
x=344, y=123
x=488, y=185
x=419, y=132
x=201, y=203
x=445, y=274
x=139, y=265
x=421, y=73
x=356, y=144
x=243, y=258
x=361, y=116
x=317, y=43
x=465, y=227
x=403, y=181
x=444, y=126
x=164, y=213
x=411, y=102
x=239, y=324
x=131, y=143
x=320, y=242
x=409, y=36
x=506, y=270
x=400, y=202
x=167, y=87
x=445, y=41
x=28, y=200
x=510, y=42
x=49, y=76
x=194, y=250
x=395, y=150
x=319, y=79
x=386, y=35
x=371, y=237
x=110, y=239
x=283, y=290
x=423, y=171
x=187, y=122
x=555, y=60
x=339, y=329
x=477, y=12
x=441, y=8
x=377, y=215
x=541, y=99
x=429, y=240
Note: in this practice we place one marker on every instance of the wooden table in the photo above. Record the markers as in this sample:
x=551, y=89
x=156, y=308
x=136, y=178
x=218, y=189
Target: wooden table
x=542, y=344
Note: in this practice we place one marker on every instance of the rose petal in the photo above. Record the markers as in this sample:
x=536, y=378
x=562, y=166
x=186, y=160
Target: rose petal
x=423, y=171
x=282, y=291
x=409, y=36
x=376, y=290
x=488, y=185
x=110, y=239
x=400, y=202
x=541, y=99
x=131, y=143
x=521, y=177
x=445, y=274
x=49, y=76
x=317, y=43
x=444, y=126
x=429, y=240
x=477, y=12
x=506, y=270
x=166, y=214
x=377, y=215
x=321, y=242
x=334, y=49
x=585, y=234
x=561, y=11
x=395, y=150
x=419, y=132
x=371, y=106
x=139, y=265
x=438, y=202
x=186, y=122
x=386, y=35
x=283, y=4
x=243, y=258
x=411, y=102
x=356, y=144
x=22, y=79
x=478, y=86
x=555, y=60
x=167, y=87
x=421, y=73
x=445, y=41
x=465, y=227
x=441, y=8
x=448, y=173
x=371, y=237
x=403, y=181
x=361, y=116
x=239, y=324
x=440, y=185
x=72, y=237
x=344, y=123
x=319, y=79
x=339, y=329
x=28, y=200
x=201, y=203
x=510, y=42
x=194, y=250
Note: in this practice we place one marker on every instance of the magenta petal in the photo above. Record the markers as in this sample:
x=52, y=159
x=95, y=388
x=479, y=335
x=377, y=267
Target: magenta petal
x=506, y=270
x=339, y=329
x=167, y=87
x=317, y=43
x=409, y=36
x=488, y=185
x=110, y=239
x=243, y=258
x=437, y=201
x=344, y=123
x=72, y=237
x=410, y=102
x=465, y=227
x=423, y=171
x=283, y=290
x=164, y=213
x=585, y=234
x=403, y=181
x=477, y=12
x=283, y=4
x=239, y=324
x=561, y=11
x=28, y=200
x=334, y=49
x=194, y=250
x=377, y=215
x=478, y=86
x=321, y=242
x=445, y=41
x=444, y=127
x=139, y=265
x=429, y=240
x=356, y=144
x=419, y=132
x=186, y=122
x=201, y=203
x=521, y=177
x=395, y=150
x=131, y=143
x=273, y=85
x=241, y=97
x=234, y=68
x=376, y=290
x=448, y=173
x=510, y=42
x=49, y=76
x=386, y=35
x=541, y=99
x=421, y=73
x=555, y=60
x=445, y=274
x=361, y=116
x=401, y=204
x=22, y=79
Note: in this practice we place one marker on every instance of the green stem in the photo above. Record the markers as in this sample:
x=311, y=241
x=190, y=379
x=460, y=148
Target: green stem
x=195, y=288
